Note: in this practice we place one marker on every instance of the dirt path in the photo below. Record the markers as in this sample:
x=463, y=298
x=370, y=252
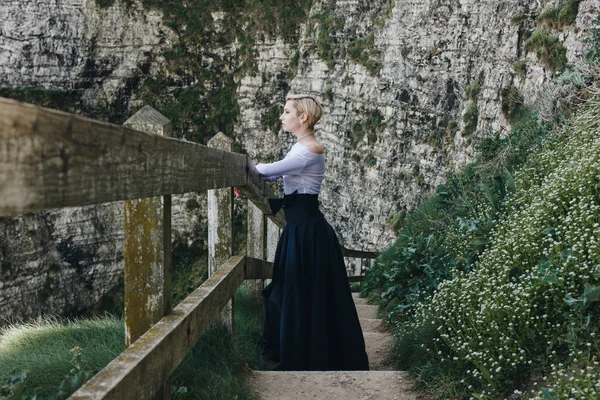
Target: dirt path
x=380, y=383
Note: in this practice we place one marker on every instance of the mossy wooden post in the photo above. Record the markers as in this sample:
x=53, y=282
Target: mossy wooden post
x=272, y=240
x=255, y=246
x=147, y=250
x=220, y=226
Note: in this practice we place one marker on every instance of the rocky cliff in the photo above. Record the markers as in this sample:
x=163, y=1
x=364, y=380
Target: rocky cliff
x=408, y=87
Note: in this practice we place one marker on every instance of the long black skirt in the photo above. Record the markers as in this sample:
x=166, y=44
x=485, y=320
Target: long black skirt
x=311, y=322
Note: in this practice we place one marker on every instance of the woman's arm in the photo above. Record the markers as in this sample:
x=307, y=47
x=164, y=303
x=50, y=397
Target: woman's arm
x=291, y=165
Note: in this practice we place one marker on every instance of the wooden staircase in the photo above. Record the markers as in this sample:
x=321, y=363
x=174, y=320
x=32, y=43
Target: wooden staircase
x=380, y=383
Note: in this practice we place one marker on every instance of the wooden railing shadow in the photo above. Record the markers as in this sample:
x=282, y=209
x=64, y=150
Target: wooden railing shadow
x=50, y=159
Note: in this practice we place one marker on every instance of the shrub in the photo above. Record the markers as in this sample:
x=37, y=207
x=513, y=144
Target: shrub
x=517, y=18
x=270, y=119
x=512, y=103
x=370, y=160
x=473, y=90
x=396, y=220
x=328, y=44
x=362, y=50
x=517, y=285
x=520, y=68
x=470, y=119
x=593, y=38
x=564, y=14
x=548, y=48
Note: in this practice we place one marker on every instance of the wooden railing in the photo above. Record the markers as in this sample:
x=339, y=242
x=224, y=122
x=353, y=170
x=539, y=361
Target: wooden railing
x=51, y=159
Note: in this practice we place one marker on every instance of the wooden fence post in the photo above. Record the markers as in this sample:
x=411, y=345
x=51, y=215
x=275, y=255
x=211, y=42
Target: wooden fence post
x=273, y=233
x=255, y=246
x=147, y=250
x=220, y=226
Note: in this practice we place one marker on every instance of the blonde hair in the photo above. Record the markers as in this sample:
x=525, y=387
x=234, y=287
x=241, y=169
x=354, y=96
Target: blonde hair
x=306, y=103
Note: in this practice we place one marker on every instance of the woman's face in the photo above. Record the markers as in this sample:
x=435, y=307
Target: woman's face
x=290, y=119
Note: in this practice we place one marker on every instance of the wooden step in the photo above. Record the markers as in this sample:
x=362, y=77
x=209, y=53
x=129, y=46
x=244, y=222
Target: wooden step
x=372, y=325
x=366, y=311
x=359, y=300
x=378, y=347
x=332, y=385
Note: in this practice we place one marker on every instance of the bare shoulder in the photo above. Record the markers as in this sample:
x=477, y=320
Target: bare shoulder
x=315, y=147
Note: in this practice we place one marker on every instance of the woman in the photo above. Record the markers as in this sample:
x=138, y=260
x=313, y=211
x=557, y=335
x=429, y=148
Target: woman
x=310, y=318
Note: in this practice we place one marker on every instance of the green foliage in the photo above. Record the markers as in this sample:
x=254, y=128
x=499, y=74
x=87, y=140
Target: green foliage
x=450, y=132
x=76, y=377
x=448, y=232
x=200, y=110
x=12, y=386
x=270, y=120
x=593, y=39
x=470, y=118
x=520, y=68
x=104, y=3
x=363, y=51
x=190, y=269
x=348, y=80
x=512, y=103
x=199, y=114
x=473, y=90
x=505, y=278
x=329, y=94
x=294, y=62
x=41, y=348
x=518, y=18
x=396, y=220
x=65, y=100
x=370, y=160
x=329, y=45
x=548, y=48
x=564, y=14
x=214, y=368
x=192, y=204
x=370, y=125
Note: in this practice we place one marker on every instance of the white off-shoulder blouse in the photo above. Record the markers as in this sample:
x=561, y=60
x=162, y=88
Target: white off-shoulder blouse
x=301, y=169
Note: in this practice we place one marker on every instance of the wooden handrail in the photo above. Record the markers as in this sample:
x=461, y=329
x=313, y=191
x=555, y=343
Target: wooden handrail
x=162, y=348
x=52, y=159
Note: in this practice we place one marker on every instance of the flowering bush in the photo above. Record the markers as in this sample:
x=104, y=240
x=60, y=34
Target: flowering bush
x=531, y=298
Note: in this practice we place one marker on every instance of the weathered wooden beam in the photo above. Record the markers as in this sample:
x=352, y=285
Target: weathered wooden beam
x=162, y=348
x=147, y=240
x=51, y=159
x=147, y=251
x=220, y=226
x=258, y=269
x=255, y=244
x=358, y=253
x=357, y=278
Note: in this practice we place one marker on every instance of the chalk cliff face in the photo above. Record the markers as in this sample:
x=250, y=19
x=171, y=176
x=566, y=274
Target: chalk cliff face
x=408, y=88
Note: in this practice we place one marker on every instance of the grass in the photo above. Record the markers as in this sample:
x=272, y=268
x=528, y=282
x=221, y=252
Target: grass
x=548, y=48
x=42, y=348
x=564, y=14
x=470, y=118
x=214, y=368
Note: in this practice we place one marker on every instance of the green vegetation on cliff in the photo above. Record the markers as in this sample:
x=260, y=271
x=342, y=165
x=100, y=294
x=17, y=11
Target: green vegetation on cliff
x=493, y=285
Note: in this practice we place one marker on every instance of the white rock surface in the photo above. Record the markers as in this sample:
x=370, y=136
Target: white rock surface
x=430, y=51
